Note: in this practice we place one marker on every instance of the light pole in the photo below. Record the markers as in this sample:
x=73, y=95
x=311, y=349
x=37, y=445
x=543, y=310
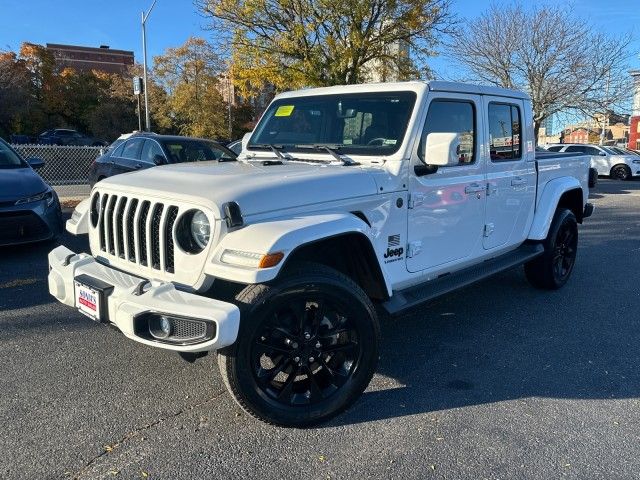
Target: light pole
x=144, y=66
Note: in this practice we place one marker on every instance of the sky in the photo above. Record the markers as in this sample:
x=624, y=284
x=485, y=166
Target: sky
x=117, y=23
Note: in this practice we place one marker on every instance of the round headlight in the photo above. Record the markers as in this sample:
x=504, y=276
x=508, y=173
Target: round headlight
x=200, y=229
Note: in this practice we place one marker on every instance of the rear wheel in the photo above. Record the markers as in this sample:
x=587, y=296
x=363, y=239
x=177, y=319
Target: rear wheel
x=621, y=172
x=553, y=268
x=306, y=350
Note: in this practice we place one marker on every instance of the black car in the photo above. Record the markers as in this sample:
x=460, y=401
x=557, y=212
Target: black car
x=142, y=151
x=29, y=208
x=65, y=136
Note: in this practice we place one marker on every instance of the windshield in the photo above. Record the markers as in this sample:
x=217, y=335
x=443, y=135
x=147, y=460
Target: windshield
x=190, y=150
x=610, y=151
x=360, y=123
x=9, y=158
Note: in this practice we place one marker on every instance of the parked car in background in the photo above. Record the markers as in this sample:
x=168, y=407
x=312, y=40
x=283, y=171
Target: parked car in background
x=605, y=160
x=65, y=136
x=29, y=208
x=145, y=150
x=122, y=138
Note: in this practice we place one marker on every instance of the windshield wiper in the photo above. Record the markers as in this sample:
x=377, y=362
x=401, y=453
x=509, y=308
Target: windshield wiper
x=274, y=148
x=331, y=150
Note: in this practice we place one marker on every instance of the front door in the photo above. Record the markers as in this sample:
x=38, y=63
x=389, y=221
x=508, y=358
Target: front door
x=511, y=174
x=446, y=208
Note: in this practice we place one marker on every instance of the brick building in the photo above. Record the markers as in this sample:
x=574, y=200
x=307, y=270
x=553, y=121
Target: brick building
x=85, y=59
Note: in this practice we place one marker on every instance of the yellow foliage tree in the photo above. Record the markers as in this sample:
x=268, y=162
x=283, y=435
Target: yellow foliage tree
x=298, y=43
x=190, y=74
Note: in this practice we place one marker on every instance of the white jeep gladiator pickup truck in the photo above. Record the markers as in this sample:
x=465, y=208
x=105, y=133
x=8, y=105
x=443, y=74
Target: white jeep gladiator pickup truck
x=345, y=200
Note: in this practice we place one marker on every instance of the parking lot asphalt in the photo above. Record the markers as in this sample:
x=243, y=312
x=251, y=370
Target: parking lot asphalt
x=498, y=380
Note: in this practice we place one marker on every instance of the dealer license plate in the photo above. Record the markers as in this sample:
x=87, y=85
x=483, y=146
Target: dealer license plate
x=88, y=301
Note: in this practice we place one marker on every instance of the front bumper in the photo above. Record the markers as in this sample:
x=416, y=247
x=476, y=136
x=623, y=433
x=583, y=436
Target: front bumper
x=133, y=298
x=35, y=222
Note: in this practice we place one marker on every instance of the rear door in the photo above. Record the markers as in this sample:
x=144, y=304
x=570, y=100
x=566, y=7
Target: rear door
x=446, y=211
x=511, y=173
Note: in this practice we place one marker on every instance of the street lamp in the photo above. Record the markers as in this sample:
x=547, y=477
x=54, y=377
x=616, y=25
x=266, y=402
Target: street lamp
x=144, y=66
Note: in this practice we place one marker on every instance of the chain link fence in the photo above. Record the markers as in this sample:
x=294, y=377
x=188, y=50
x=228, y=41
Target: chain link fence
x=66, y=168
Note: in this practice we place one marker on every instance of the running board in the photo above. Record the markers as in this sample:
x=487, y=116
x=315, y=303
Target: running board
x=409, y=297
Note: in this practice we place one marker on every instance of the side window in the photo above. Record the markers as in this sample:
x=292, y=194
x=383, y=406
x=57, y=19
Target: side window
x=505, y=131
x=150, y=150
x=118, y=151
x=132, y=149
x=554, y=149
x=592, y=151
x=452, y=116
x=575, y=148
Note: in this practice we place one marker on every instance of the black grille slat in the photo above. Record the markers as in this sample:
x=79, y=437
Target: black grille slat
x=103, y=207
x=156, y=216
x=142, y=231
x=138, y=231
x=119, y=226
x=109, y=215
x=172, y=215
x=131, y=239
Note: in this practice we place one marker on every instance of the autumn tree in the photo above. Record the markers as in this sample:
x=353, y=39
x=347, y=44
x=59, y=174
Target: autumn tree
x=298, y=43
x=190, y=75
x=563, y=63
x=14, y=94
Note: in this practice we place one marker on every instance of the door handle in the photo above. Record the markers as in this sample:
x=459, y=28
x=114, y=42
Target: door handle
x=474, y=188
x=518, y=181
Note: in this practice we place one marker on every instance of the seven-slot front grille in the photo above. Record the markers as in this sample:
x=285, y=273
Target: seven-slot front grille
x=136, y=230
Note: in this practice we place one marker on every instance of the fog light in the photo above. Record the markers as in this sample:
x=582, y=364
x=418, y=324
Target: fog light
x=160, y=327
x=165, y=326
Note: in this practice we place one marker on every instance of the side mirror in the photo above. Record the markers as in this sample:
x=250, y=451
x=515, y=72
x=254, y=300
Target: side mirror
x=245, y=140
x=159, y=159
x=442, y=149
x=602, y=154
x=35, y=162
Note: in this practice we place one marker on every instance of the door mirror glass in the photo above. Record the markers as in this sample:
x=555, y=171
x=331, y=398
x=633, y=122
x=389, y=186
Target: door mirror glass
x=442, y=149
x=35, y=162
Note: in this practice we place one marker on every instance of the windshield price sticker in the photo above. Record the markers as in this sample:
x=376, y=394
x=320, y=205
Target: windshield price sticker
x=284, y=111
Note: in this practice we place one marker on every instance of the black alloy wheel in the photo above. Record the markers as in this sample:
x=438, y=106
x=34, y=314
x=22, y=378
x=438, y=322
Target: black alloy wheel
x=552, y=269
x=564, y=254
x=306, y=350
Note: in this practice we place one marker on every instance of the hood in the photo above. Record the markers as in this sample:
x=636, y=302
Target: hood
x=257, y=188
x=16, y=183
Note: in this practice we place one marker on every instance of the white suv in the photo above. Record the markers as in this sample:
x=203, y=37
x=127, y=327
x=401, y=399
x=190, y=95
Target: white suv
x=606, y=160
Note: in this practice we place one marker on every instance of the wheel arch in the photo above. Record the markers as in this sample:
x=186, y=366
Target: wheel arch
x=339, y=240
x=565, y=192
x=350, y=253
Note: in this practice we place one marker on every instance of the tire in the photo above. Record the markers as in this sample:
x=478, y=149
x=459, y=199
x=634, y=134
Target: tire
x=553, y=268
x=281, y=376
x=621, y=172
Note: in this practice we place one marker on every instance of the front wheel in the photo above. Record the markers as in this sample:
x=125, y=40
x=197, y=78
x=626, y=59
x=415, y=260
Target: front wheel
x=552, y=269
x=621, y=172
x=306, y=350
